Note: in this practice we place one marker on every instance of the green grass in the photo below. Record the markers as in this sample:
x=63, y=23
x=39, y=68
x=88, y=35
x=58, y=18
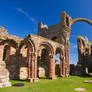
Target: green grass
x=45, y=85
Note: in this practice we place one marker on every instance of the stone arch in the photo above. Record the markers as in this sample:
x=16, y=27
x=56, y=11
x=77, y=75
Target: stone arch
x=7, y=54
x=29, y=44
x=46, y=59
x=81, y=19
x=66, y=34
x=61, y=66
x=31, y=58
x=59, y=49
x=48, y=46
x=11, y=42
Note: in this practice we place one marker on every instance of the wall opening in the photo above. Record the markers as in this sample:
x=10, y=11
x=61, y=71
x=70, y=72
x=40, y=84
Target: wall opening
x=6, y=52
x=55, y=39
x=57, y=62
x=42, y=64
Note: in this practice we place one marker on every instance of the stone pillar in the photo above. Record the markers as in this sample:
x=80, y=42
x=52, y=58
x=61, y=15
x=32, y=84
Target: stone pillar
x=62, y=66
x=51, y=72
x=65, y=22
x=67, y=68
x=29, y=59
x=32, y=67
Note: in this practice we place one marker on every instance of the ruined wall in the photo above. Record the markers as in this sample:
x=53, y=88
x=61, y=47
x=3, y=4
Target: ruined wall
x=22, y=55
x=84, y=54
x=48, y=31
x=14, y=52
x=60, y=33
x=8, y=47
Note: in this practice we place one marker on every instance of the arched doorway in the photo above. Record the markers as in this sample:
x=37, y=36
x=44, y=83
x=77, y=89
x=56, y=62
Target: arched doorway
x=60, y=64
x=31, y=58
x=6, y=52
x=23, y=63
x=46, y=64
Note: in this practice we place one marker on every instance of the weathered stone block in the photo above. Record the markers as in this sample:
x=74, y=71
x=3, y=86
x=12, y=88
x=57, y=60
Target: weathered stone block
x=4, y=75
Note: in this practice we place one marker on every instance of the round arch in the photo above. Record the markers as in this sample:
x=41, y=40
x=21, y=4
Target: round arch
x=31, y=57
x=59, y=53
x=48, y=46
x=28, y=43
x=59, y=50
x=81, y=19
x=11, y=42
x=45, y=55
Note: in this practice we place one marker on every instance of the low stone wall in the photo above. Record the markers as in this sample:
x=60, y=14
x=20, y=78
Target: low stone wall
x=76, y=69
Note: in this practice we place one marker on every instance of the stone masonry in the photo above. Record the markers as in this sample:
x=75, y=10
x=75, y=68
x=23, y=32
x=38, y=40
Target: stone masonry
x=84, y=64
x=34, y=56
x=4, y=75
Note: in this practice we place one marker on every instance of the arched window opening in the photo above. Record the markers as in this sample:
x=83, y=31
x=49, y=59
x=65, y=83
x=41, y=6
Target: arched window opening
x=67, y=21
x=44, y=60
x=6, y=52
x=55, y=39
x=43, y=64
x=24, y=63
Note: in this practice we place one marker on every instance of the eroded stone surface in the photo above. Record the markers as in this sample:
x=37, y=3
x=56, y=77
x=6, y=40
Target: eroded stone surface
x=4, y=75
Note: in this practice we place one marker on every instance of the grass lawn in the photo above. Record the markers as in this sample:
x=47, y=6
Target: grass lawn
x=45, y=85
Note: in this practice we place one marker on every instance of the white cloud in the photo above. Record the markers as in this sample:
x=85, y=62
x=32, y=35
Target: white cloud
x=27, y=15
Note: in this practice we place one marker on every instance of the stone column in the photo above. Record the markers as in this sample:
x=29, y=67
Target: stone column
x=65, y=22
x=61, y=65
x=67, y=68
x=51, y=68
x=35, y=68
x=29, y=59
x=32, y=67
x=63, y=68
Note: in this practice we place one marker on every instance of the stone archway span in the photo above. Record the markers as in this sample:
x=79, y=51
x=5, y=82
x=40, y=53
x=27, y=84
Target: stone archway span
x=49, y=58
x=10, y=42
x=66, y=23
x=60, y=49
x=31, y=57
x=29, y=43
x=48, y=46
x=61, y=67
x=81, y=19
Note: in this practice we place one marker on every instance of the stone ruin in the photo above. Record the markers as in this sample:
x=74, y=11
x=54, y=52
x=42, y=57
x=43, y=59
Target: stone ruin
x=4, y=75
x=84, y=64
x=34, y=56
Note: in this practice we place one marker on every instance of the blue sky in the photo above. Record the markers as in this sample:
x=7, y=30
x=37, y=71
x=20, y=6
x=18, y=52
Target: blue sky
x=20, y=17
